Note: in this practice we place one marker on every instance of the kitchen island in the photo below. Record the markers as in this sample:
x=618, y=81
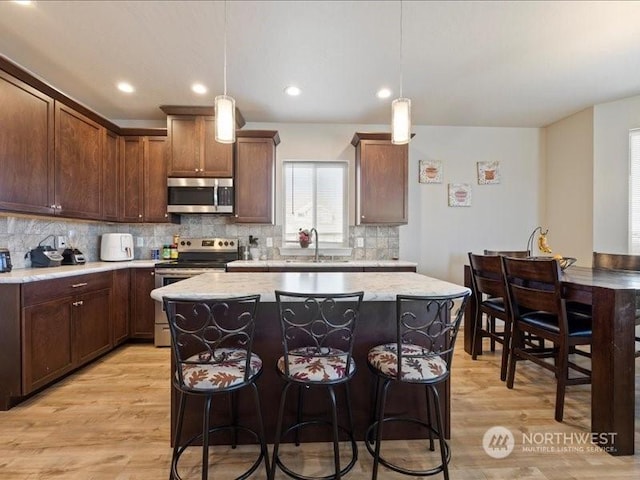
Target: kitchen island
x=376, y=325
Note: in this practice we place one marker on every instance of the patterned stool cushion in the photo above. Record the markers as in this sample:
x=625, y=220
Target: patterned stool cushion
x=384, y=358
x=305, y=364
x=223, y=374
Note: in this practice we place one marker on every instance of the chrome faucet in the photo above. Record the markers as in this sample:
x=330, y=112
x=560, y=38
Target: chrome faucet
x=315, y=258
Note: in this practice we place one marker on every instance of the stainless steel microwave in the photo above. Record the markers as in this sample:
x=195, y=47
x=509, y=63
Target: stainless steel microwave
x=200, y=195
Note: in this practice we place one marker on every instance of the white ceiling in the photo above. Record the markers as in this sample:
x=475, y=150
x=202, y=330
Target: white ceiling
x=520, y=64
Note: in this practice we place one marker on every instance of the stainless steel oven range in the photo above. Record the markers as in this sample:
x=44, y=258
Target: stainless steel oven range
x=195, y=256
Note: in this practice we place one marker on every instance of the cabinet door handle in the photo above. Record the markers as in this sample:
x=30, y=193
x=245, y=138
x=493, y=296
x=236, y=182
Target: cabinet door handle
x=52, y=206
x=59, y=207
x=78, y=303
x=76, y=285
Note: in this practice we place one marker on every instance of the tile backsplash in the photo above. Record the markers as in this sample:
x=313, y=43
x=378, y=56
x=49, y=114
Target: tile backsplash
x=22, y=233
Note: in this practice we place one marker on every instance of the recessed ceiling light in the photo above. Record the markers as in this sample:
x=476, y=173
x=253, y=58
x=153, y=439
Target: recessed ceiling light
x=292, y=90
x=199, y=88
x=383, y=93
x=26, y=3
x=125, y=87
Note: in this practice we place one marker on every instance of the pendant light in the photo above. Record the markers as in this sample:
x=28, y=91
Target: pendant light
x=401, y=108
x=225, y=106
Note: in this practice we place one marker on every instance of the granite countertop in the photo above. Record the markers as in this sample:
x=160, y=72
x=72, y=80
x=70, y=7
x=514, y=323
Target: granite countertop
x=380, y=287
x=322, y=263
x=25, y=275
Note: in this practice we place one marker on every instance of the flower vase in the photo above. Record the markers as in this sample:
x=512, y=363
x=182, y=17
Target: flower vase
x=304, y=244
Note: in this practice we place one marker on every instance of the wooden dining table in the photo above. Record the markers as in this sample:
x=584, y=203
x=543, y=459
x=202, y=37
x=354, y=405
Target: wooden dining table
x=612, y=295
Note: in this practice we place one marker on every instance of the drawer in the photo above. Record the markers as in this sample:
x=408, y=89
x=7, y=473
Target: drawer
x=47, y=290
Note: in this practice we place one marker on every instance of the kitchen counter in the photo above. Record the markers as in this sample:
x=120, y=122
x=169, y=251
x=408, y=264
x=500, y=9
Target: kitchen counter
x=323, y=263
x=382, y=287
x=25, y=275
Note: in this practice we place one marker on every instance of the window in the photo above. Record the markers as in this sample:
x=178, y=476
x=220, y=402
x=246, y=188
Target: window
x=315, y=195
x=634, y=191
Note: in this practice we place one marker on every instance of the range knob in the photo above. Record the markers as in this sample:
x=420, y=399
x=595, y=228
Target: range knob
x=231, y=243
x=226, y=244
x=188, y=243
x=182, y=243
x=220, y=243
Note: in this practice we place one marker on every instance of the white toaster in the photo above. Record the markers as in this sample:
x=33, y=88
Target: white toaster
x=116, y=247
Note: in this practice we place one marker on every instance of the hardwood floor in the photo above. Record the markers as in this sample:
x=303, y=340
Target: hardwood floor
x=111, y=421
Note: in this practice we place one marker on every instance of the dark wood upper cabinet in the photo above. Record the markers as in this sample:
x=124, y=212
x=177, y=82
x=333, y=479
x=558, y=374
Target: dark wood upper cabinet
x=143, y=179
x=381, y=179
x=26, y=148
x=78, y=164
x=255, y=172
x=131, y=179
x=155, y=180
x=193, y=151
x=111, y=172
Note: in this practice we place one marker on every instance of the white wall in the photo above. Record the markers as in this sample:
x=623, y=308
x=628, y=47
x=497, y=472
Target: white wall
x=612, y=122
x=501, y=216
x=569, y=186
x=438, y=237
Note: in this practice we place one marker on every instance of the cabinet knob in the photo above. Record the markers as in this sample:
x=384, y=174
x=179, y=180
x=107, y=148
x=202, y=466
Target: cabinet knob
x=52, y=206
x=59, y=207
x=139, y=215
x=78, y=303
x=153, y=274
x=361, y=216
x=166, y=215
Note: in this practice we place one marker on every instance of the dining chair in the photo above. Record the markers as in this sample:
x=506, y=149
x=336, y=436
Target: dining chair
x=619, y=261
x=490, y=293
x=211, y=341
x=506, y=253
x=509, y=253
x=535, y=298
x=318, y=333
x=421, y=355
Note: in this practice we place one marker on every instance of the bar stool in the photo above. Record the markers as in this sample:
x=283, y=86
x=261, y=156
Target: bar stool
x=421, y=355
x=211, y=344
x=317, y=338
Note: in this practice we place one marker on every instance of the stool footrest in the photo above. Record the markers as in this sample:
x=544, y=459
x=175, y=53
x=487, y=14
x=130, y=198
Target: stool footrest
x=220, y=428
x=370, y=439
x=343, y=471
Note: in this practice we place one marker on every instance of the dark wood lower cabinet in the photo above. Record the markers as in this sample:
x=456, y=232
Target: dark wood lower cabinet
x=47, y=349
x=143, y=280
x=92, y=325
x=120, y=306
x=65, y=323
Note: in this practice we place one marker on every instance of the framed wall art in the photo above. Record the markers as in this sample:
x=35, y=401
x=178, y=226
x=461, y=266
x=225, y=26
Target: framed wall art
x=488, y=173
x=430, y=171
x=459, y=195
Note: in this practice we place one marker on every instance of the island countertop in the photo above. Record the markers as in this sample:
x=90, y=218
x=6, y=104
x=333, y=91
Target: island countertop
x=380, y=286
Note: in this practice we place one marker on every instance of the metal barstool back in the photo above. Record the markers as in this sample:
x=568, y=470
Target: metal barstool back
x=427, y=328
x=318, y=332
x=212, y=343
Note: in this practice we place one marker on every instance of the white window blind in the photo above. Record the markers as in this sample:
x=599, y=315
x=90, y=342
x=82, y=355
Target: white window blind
x=634, y=191
x=315, y=195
